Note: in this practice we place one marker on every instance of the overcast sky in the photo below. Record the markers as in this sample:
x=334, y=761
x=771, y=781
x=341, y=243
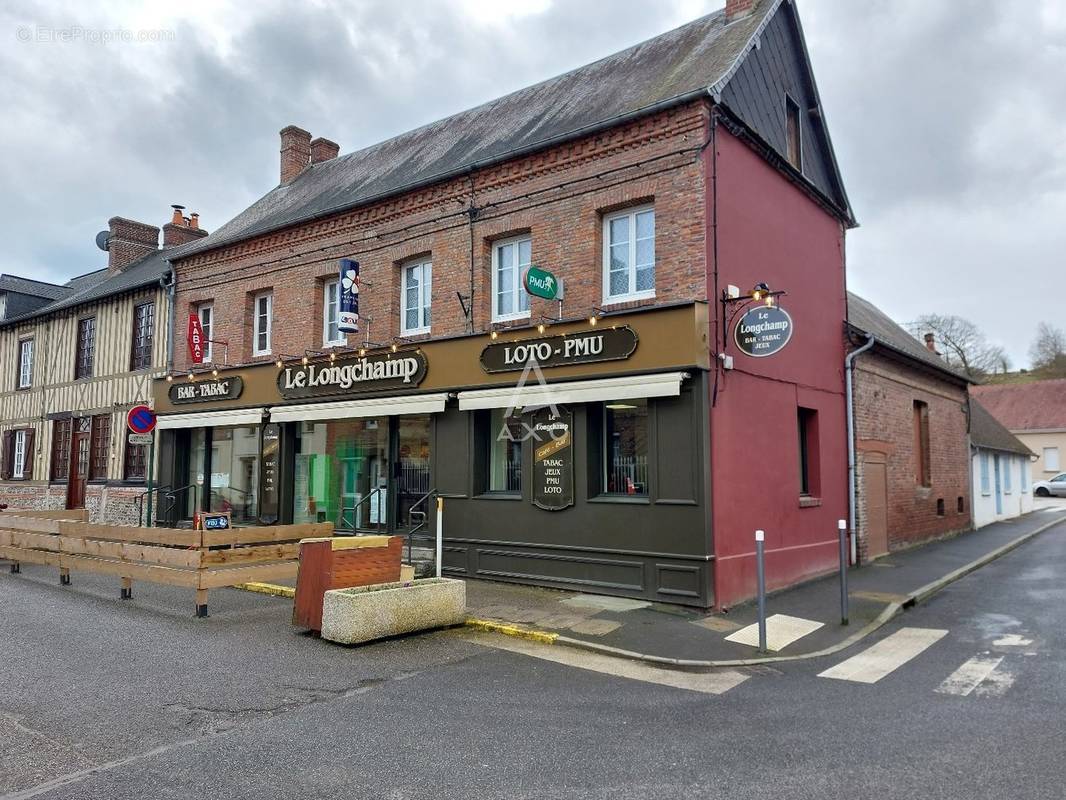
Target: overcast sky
x=948, y=118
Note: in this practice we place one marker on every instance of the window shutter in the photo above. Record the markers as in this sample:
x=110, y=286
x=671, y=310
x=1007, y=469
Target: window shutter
x=28, y=455
x=8, y=455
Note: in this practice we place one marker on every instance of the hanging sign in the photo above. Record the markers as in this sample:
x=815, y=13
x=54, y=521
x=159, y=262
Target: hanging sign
x=595, y=344
x=541, y=283
x=196, y=339
x=206, y=391
x=348, y=297
x=763, y=331
x=353, y=375
x=268, y=477
x=553, y=459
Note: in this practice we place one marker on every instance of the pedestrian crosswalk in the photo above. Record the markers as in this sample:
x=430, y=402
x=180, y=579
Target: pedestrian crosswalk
x=888, y=655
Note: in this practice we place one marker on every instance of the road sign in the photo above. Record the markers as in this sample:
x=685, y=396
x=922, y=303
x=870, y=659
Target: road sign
x=541, y=283
x=140, y=419
x=140, y=438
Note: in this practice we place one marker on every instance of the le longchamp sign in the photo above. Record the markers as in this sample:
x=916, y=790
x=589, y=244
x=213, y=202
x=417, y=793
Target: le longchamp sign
x=763, y=331
x=353, y=375
x=598, y=344
x=553, y=459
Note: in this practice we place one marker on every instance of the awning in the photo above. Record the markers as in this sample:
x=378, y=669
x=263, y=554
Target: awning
x=373, y=407
x=239, y=416
x=663, y=384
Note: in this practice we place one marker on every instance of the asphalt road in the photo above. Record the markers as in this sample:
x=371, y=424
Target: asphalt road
x=101, y=698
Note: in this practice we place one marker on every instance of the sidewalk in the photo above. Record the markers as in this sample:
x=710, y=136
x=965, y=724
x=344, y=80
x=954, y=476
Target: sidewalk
x=658, y=631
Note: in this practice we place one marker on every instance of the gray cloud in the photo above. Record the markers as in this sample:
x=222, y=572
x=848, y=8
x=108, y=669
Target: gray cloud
x=947, y=119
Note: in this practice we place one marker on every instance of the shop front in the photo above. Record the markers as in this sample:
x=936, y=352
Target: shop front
x=574, y=457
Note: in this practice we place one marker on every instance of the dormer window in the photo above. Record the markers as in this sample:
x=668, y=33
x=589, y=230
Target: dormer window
x=793, y=151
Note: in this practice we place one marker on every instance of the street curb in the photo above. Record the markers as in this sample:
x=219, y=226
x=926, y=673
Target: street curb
x=267, y=588
x=890, y=611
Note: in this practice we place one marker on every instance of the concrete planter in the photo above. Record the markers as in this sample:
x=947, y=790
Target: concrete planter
x=366, y=613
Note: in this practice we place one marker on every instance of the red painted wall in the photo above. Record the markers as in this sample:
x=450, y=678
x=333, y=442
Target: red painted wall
x=769, y=230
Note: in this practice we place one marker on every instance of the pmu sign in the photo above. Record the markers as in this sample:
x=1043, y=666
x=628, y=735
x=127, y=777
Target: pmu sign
x=541, y=283
x=140, y=419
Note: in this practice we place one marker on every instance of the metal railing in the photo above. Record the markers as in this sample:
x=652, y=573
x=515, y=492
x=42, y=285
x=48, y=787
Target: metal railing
x=170, y=498
x=355, y=510
x=414, y=512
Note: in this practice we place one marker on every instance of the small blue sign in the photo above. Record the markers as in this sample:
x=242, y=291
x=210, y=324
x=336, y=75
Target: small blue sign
x=348, y=297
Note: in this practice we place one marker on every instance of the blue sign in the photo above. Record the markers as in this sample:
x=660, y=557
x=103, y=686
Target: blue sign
x=348, y=297
x=140, y=419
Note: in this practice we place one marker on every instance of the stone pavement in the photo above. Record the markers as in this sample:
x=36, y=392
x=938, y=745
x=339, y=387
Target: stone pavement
x=810, y=613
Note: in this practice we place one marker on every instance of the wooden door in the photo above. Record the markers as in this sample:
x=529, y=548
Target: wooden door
x=875, y=490
x=79, y=468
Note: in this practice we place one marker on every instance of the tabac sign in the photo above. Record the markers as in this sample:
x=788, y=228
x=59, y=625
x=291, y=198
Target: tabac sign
x=206, y=391
x=597, y=344
x=763, y=331
x=353, y=375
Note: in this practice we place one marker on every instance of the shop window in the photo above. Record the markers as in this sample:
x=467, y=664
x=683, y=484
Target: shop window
x=510, y=260
x=416, y=290
x=234, y=472
x=143, y=328
x=206, y=313
x=25, y=364
x=339, y=471
x=18, y=454
x=629, y=255
x=793, y=138
x=809, y=461
x=986, y=477
x=136, y=462
x=921, y=444
x=61, y=430
x=83, y=360
x=100, y=448
x=502, y=434
x=625, y=447
x=331, y=335
x=263, y=323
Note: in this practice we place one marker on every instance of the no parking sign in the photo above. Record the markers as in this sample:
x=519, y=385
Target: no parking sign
x=141, y=419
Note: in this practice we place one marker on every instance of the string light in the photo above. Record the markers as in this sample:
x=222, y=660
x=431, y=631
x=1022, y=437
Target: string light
x=214, y=373
x=494, y=335
x=170, y=378
x=278, y=363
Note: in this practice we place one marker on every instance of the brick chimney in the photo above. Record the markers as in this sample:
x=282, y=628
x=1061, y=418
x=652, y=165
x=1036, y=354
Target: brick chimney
x=182, y=229
x=930, y=343
x=735, y=9
x=295, y=152
x=323, y=150
x=129, y=241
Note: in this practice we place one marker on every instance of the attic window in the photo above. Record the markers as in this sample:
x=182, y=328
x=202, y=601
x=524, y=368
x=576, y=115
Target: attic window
x=792, y=134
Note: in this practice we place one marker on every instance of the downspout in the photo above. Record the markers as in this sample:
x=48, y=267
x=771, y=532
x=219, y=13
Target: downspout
x=170, y=286
x=850, y=401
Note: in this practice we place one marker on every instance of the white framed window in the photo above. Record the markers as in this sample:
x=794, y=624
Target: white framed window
x=629, y=255
x=206, y=313
x=415, y=292
x=1051, y=459
x=331, y=308
x=25, y=376
x=1025, y=474
x=18, y=460
x=263, y=309
x=1008, y=488
x=510, y=259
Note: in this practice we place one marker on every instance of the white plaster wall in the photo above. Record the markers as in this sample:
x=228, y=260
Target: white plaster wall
x=1016, y=502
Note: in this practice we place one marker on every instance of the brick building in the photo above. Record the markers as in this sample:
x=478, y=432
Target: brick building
x=74, y=358
x=663, y=185
x=911, y=418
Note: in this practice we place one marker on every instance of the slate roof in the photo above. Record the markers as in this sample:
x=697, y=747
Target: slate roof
x=696, y=59
x=98, y=285
x=1034, y=406
x=987, y=432
x=865, y=317
x=52, y=291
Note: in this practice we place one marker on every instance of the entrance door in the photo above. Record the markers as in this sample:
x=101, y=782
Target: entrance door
x=875, y=490
x=412, y=466
x=79, y=462
x=999, y=486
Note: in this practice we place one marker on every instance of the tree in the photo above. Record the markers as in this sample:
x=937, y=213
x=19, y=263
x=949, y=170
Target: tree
x=1048, y=351
x=962, y=344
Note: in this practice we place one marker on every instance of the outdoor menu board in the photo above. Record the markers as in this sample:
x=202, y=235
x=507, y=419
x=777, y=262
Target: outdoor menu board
x=268, y=509
x=553, y=459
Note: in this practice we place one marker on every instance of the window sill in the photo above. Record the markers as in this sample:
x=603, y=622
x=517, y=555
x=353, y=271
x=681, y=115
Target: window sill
x=513, y=317
x=623, y=499
x=336, y=343
x=415, y=332
x=806, y=501
x=636, y=297
x=498, y=496
x=23, y=388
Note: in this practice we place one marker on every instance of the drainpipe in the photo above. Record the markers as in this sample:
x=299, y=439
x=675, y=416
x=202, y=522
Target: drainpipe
x=170, y=287
x=850, y=400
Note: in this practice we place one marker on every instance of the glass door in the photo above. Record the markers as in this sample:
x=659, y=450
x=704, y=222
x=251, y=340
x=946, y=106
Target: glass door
x=412, y=465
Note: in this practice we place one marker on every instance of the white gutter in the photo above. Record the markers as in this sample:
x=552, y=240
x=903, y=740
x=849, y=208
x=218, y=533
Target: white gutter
x=849, y=395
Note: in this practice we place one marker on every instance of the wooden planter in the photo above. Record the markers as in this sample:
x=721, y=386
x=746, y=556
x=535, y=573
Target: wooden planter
x=338, y=563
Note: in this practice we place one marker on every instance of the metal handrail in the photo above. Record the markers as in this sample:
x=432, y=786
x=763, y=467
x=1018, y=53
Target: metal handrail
x=412, y=529
x=365, y=498
x=171, y=496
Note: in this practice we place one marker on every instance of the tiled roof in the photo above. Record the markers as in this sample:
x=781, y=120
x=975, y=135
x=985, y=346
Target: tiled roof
x=34, y=288
x=695, y=59
x=868, y=318
x=1034, y=406
x=987, y=432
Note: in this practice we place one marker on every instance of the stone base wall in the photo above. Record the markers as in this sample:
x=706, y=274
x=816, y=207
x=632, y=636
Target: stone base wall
x=112, y=505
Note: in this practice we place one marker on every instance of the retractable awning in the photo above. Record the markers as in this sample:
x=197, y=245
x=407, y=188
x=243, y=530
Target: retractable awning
x=238, y=416
x=663, y=384
x=372, y=407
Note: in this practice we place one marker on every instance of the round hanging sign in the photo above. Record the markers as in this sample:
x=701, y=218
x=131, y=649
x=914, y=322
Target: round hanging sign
x=763, y=331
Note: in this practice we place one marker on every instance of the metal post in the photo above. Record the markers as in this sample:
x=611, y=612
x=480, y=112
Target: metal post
x=150, y=469
x=760, y=572
x=842, y=526
x=440, y=531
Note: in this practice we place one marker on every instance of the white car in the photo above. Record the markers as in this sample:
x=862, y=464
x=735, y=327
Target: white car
x=1056, y=487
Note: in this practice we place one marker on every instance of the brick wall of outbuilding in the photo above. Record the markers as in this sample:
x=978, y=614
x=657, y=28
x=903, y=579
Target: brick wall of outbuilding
x=885, y=391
